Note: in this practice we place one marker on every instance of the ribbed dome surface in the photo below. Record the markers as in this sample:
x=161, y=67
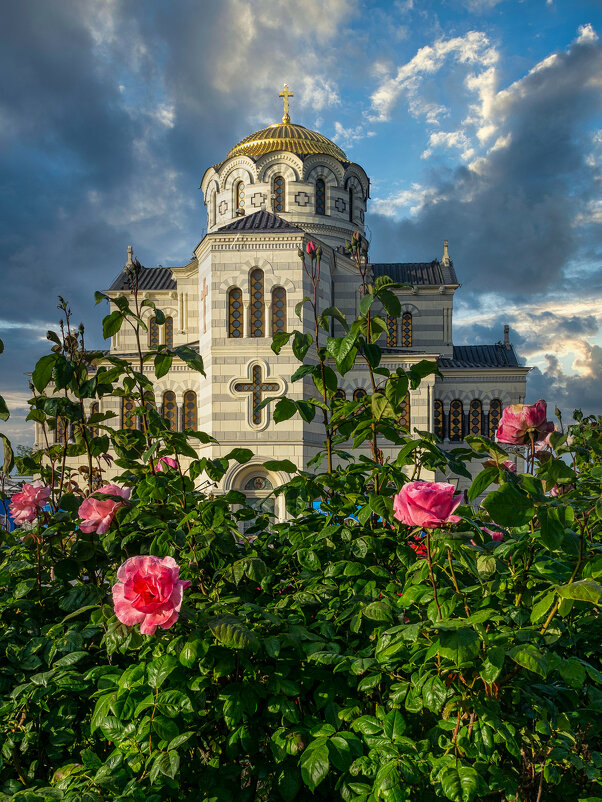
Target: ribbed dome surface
x=290, y=137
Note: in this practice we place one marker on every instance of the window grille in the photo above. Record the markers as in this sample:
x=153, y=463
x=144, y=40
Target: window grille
x=257, y=304
x=279, y=194
x=240, y=195
x=128, y=419
x=169, y=332
x=475, y=417
x=153, y=333
x=190, y=410
x=169, y=411
x=456, y=421
x=278, y=310
x=404, y=418
x=234, y=312
x=495, y=414
x=406, y=330
x=359, y=393
x=438, y=419
x=391, y=331
x=320, y=196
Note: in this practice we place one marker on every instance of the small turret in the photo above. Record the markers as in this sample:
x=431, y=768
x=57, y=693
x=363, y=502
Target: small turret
x=507, y=336
x=445, y=260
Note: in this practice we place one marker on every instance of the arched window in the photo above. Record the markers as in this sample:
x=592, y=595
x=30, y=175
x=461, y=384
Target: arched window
x=404, y=418
x=339, y=395
x=475, y=417
x=94, y=410
x=258, y=492
x=495, y=413
x=153, y=333
x=391, y=331
x=351, y=204
x=257, y=304
x=169, y=332
x=279, y=194
x=169, y=410
x=456, y=421
x=320, y=196
x=438, y=420
x=190, y=410
x=128, y=419
x=258, y=483
x=240, y=196
x=406, y=330
x=234, y=312
x=359, y=393
x=278, y=310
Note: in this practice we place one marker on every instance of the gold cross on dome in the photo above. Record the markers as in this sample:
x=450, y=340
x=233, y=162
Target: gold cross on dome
x=286, y=94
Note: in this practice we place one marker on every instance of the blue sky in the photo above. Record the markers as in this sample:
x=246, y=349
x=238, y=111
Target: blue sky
x=478, y=121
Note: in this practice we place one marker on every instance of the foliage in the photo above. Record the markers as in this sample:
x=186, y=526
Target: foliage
x=324, y=657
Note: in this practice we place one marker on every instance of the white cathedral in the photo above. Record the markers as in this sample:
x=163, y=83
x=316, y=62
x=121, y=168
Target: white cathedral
x=273, y=192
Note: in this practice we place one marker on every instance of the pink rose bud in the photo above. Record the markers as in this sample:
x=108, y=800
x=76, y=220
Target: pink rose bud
x=149, y=592
x=25, y=504
x=522, y=422
x=509, y=466
x=560, y=490
x=319, y=252
x=97, y=513
x=356, y=237
x=311, y=248
x=166, y=462
x=428, y=504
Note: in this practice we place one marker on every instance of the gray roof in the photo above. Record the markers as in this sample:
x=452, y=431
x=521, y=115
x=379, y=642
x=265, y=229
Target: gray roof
x=432, y=274
x=150, y=278
x=260, y=221
x=480, y=356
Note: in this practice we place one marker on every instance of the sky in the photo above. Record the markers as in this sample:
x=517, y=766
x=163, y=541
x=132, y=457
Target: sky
x=478, y=121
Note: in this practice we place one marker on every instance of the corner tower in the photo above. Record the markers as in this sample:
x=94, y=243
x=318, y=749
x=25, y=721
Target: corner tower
x=297, y=174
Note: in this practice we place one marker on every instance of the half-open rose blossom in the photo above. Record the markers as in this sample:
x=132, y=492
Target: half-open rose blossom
x=97, y=513
x=494, y=534
x=149, y=592
x=311, y=248
x=428, y=504
x=166, y=462
x=522, y=422
x=25, y=504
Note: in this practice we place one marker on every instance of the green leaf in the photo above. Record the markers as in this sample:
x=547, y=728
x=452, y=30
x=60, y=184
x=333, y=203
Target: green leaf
x=387, y=783
x=381, y=407
x=43, y=371
x=4, y=411
x=493, y=663
x=241, y=455
x=167, y=763
x=339, y=752
x=232, y=633
x=190, y=356
x=434, y=694
x=529, y=656
x=163, y=362
x=459, y=645
x=552, y=529
x=314, y=765
x=299, y=306
x=460, y=784
x=366, y=303
x=542, y=607
x=481, y=482
x=390, y=301
x=9, y=457
x=381, y=506
x=284, y=409
x=394, y=725
x=421, y=370
x=112, y=323
x=377, y=611
x=101, y=711
x=280, y=465
x=584, y=590
x=301, y=344
x=335, y=313
x=160, y=669
x=508, y=506
x=303, y=370
x=279, y=340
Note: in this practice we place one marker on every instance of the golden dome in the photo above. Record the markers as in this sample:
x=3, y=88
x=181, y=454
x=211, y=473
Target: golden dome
x=286, y=136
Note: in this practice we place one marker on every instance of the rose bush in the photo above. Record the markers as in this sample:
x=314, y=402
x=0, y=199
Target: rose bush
x=330, y=655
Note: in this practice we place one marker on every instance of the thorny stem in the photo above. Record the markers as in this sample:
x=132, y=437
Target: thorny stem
x=431, y=574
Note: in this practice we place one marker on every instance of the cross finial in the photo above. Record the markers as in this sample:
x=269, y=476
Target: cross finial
x=286, y=94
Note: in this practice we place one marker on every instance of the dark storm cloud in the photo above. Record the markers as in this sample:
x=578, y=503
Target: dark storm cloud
x=511, y=225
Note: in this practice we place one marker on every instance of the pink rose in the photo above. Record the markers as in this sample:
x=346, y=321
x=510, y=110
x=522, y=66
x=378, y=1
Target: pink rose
x=520, y=422
x=97, y=513
x=166, y=462
x=311, y=248
x=149, y=592
x=560, y=490
x=545, y=444
x=24, y=505
x=427, y=504
x=509, y=466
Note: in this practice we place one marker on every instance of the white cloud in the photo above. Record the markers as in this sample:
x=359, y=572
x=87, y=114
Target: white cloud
x=586, y=34
x=450, y=140
x=405, y=201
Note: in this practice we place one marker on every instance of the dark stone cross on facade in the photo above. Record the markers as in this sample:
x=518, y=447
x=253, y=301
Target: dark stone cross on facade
x=256, y=386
